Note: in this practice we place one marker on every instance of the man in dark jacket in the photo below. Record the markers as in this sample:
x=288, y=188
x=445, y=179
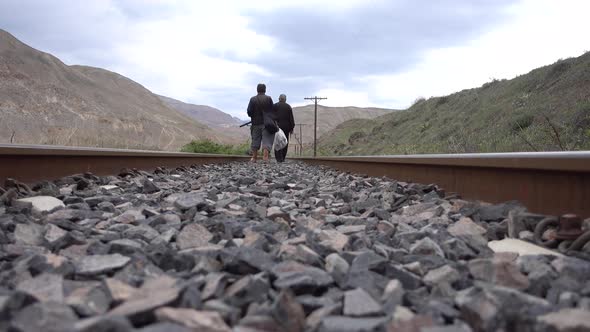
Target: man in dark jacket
x=284, y=116
x=258, y=105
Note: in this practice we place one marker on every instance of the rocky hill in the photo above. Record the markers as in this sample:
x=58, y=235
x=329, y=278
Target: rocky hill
x=44, y=101
x=547, y=109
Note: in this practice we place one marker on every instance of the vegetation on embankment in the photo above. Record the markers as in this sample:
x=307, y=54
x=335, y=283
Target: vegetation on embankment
x=208, y=146
x=547, y=109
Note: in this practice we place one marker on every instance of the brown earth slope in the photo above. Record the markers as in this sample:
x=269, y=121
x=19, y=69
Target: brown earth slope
x=44, y=101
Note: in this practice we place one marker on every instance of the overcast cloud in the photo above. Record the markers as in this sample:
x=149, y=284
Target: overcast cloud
x=362, y=53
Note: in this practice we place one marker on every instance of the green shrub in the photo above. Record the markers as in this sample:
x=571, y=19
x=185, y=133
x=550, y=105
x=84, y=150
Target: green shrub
x=425, y=126
x=208, y=146
x=522, y=122
x=418, y=101
x=559, y=68
x=441, y=101
x=356, y=136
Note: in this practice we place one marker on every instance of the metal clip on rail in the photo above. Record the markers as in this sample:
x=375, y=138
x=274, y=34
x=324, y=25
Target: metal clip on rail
x=566, y=233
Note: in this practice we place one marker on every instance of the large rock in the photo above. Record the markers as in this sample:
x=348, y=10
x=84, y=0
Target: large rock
x=44, y=317
x=416, y=323
x=248, y=289
x=357, y=303
x=149, y=187
x=45, y=287
x=29, y=234
x=520, y=247
x=350, y=324
x=244, y=260
x=193, y=236
x=567, y=320
x=206, y=321
x=333, y=240
x=131, y=216
x=337, y=267
x=103, y=324
x=118, y=290
x=288, y=313
x=156, y=293
x=99, y=264
x=408, y=279
x=54, y=235
x=43, y=204
x=165, y=327
x=445, y=274
x=497, y=212
x=519, y=221
x=142, y=232
x=466, y=227
x=90, y=300
x=498, y=271
x=393, y=293
x=190, y=200
x=575, y=268
x=299, y=277
x=426, y=246
x=492, y=308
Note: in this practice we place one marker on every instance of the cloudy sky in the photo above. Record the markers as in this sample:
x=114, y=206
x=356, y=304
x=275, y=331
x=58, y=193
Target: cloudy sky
x=382, y=53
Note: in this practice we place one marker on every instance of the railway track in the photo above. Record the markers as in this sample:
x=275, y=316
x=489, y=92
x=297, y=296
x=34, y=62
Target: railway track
x=553, y=183
x=211, y=244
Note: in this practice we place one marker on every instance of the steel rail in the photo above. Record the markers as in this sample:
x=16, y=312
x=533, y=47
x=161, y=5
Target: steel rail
x=547, y=182
x=32, y=163
x=550, y=183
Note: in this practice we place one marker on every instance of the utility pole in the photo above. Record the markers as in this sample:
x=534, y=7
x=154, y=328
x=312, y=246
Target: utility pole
x=315, y=121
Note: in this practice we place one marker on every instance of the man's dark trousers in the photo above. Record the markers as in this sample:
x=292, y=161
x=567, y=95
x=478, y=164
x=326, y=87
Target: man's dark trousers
x=281, y=154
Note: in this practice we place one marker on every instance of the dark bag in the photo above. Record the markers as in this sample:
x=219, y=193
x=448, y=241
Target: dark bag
x=270, y=124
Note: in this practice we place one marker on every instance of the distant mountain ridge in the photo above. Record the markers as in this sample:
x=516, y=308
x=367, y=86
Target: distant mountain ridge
x=44, y=101
x=208, y=115
x=218, y=120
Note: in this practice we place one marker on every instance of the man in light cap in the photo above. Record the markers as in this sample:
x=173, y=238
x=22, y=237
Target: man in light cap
x=284, y=115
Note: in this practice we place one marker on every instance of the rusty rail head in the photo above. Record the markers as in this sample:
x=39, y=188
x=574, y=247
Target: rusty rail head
x=574, y=161
x=57, y=150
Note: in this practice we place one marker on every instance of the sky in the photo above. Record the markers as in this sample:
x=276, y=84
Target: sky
x=377, y=53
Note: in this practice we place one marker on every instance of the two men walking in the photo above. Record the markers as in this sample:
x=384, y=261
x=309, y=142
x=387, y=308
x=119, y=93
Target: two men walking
x=262, y=110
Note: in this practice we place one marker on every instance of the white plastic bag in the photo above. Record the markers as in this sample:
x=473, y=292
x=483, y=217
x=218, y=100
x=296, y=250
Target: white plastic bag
x=280, y=140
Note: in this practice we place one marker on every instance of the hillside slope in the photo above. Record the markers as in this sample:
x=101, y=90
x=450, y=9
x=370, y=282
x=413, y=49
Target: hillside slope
x=44, y=101
x=547, y=109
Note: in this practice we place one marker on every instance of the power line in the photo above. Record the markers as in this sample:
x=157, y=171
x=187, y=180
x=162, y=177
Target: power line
x=315, y=121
